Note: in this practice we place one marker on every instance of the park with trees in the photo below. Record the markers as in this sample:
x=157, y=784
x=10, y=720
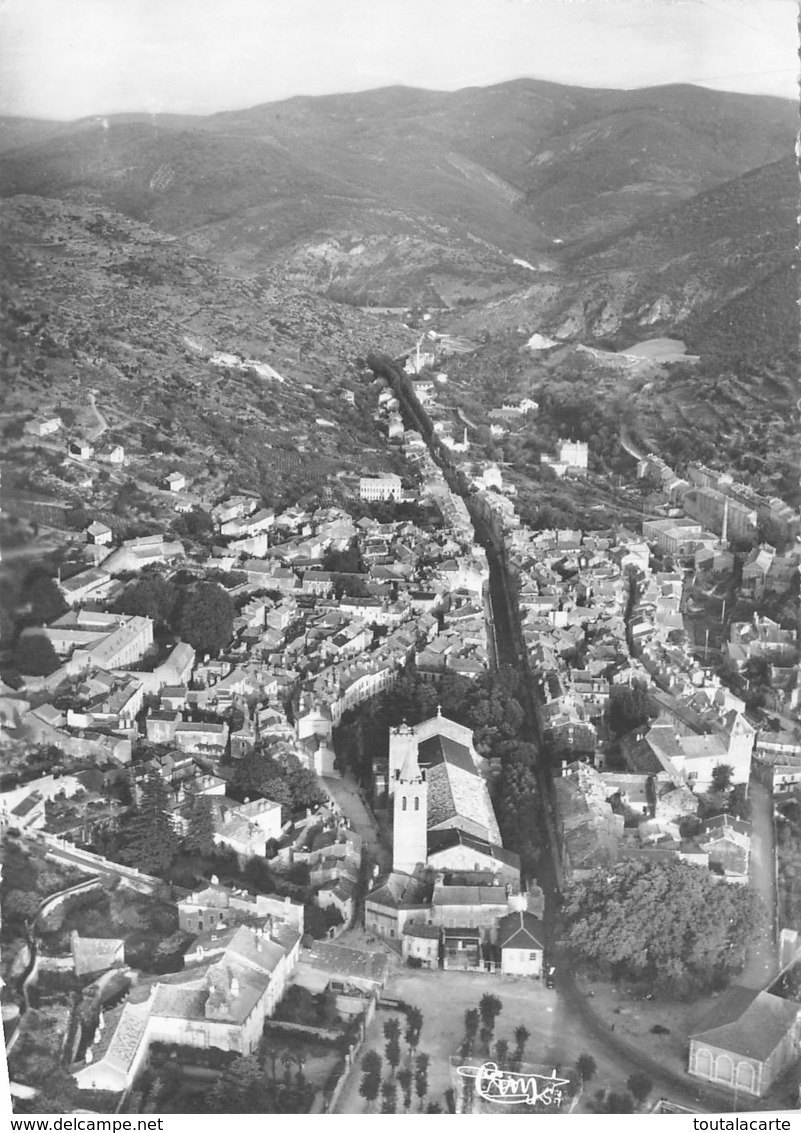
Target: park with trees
x=669, y=926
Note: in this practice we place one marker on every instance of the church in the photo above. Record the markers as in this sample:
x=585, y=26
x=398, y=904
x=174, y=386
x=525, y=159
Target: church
x=440, y=800
x=450, y=873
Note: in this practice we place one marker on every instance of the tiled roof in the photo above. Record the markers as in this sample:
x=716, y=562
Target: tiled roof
x=127, y=1035
x=440, y=840
x=454, y=792
x=520, y=930
x=400, y=890
x=748, y=1022
x=470, y=895
x=337, y=960
x=422, y=931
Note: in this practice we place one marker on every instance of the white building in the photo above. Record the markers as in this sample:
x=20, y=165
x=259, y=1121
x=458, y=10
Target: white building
x=231, y=982
x=386, y=487
x=175, y=482
x=572, y=456
x=43, y=426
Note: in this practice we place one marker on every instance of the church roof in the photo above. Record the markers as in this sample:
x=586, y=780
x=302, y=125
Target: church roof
x=454, y=792
x=441, y=840
x=442, y=749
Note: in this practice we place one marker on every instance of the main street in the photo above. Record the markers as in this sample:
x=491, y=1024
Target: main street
x=578, y=1019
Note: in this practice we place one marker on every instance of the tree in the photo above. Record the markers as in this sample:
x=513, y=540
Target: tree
x=41, y=592
x=405, y=1083
x=149, y=597
x=640, y=1085
x=489, y=1008
x=739, y=804
x=241, y=1088
x=414, y=1025
x=585, y=1068
x=522, y=1036
x=392, y=1030
x=618, y=1103
x=283, y=779
x=369, y=1087
x=200, y=831
x=722, y=775
x=34, y=656
x=421, y=1078
x=630, y=706
x=389, y=1097
x=392, y=1052
x=205, y=618
x=668, y=923
x=501, y=1051
x=471, y=1021
x=149, y=839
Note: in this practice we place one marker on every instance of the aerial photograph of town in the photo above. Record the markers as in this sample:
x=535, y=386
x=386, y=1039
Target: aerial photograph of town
x=400, y=559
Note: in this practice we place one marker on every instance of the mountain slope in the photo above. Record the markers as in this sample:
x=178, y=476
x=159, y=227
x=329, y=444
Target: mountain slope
x=400, y=195
x=718, y=270
x=238, y=382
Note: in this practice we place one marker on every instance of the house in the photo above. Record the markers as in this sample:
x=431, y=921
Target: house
x=80, y=449
x=396, y=901
x=112, y=454
x=208, y=908
x=572, y=456
x=247, y=828
x=326, y=966
x=99, y=534
x=92, y=582
x=43, y=426
x=420, y=945
x=194, y=736
x=727, y=843
x=231, y=982
x=461, y=949
x=520, y=940
x=746, y=1041
x=175, y=482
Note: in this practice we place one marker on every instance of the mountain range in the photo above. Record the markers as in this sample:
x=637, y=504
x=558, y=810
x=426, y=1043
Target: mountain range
x=213, y=281
x=401, y=196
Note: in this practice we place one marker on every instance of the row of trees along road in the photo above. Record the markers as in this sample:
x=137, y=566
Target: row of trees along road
x=408, y=1069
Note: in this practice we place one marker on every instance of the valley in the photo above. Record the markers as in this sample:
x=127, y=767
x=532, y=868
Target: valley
x=400, y=542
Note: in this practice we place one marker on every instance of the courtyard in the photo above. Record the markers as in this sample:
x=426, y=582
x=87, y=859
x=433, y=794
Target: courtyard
x=444, y=997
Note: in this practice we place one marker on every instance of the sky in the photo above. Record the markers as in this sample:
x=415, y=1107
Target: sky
x=68, y=59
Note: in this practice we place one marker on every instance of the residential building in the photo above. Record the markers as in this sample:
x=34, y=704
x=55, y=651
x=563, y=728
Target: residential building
x=420, y=945
x=520, y=940
x=232, y=981
x=43, y=426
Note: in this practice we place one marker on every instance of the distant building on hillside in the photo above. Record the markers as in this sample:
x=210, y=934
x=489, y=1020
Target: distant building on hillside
x=43, y=426
x=380, y=488
x=175, y=482
x=572, y=456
